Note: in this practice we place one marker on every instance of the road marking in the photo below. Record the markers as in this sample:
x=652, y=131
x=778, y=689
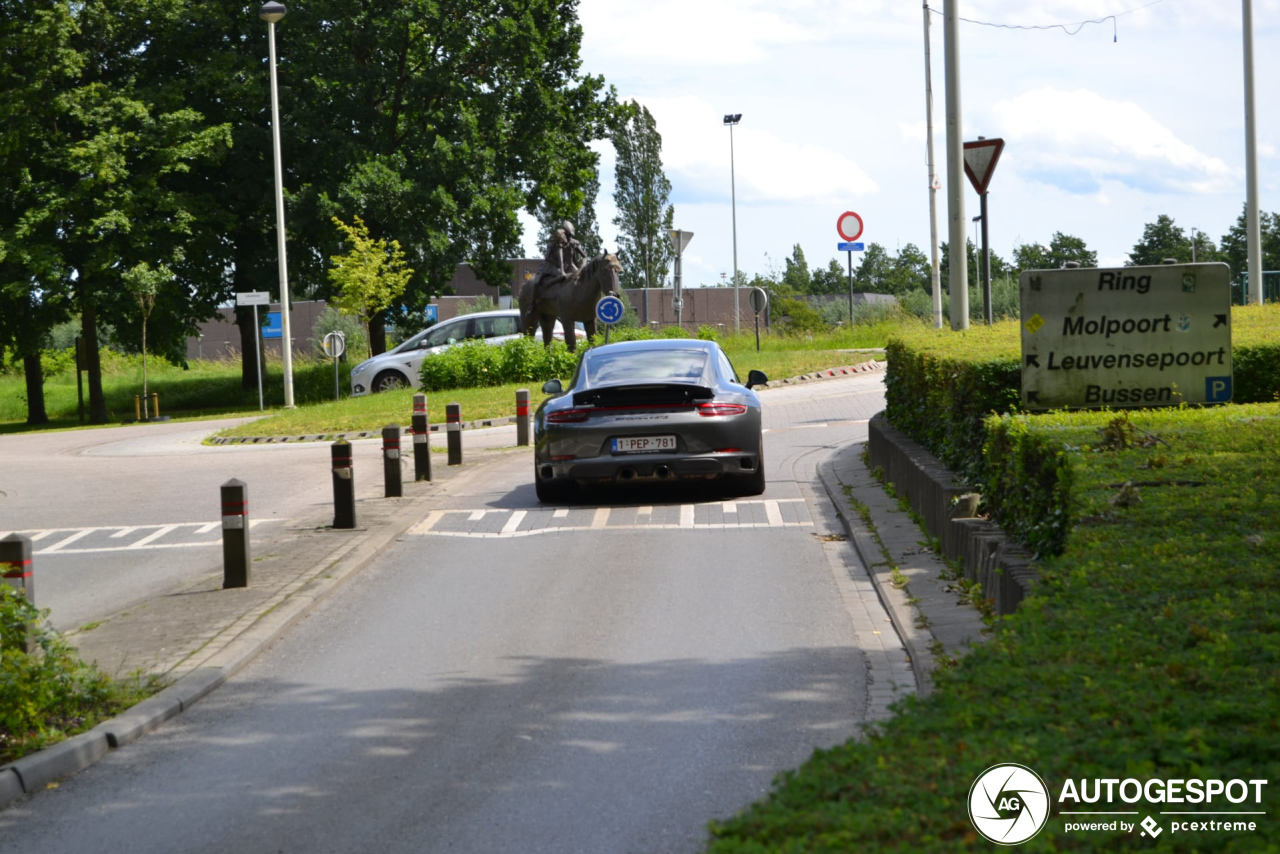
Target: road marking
x=477, y=515
x=425, y=526
x=729, y=508
x=84, y=532
x=154, y=535
x=99, y=533
x=528, y=523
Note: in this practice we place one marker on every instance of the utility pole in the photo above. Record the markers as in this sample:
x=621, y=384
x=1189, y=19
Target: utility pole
x=1253, y=226
x=936, y=276
x=957, y=273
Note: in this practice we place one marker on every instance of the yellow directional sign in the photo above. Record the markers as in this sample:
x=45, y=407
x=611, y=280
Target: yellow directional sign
x=1126, y=337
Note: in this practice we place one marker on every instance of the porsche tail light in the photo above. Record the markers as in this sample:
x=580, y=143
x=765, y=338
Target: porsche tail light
x=568, y=416
x=713, y=409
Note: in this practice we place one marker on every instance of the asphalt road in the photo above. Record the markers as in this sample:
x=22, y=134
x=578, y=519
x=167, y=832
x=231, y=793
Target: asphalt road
x=119, y=514
x=602, y=677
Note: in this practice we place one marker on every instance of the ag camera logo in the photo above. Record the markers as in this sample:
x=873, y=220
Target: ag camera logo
x=1008, y=804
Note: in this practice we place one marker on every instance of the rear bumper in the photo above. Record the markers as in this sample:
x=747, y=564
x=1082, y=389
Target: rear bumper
x=650, y=467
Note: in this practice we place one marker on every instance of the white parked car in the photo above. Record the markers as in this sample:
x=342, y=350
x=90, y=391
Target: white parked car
x=399, y=366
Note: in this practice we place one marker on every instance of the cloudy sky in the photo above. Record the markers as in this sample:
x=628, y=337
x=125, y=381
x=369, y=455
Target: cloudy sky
x=1137, y=116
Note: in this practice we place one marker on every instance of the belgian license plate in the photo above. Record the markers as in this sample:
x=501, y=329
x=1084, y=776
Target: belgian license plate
x=643, y=444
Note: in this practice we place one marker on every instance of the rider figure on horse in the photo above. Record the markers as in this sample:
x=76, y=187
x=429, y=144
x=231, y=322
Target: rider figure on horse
x=560, y=261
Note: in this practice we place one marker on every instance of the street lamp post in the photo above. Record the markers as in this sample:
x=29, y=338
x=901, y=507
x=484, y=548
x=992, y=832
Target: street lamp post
x=732, y=120
x=273, y=12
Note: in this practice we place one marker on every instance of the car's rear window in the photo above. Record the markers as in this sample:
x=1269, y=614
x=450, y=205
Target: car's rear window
x=646, y=366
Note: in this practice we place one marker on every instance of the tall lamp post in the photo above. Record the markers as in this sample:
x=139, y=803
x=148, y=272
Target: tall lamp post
x=272, y=12
x=732, y=120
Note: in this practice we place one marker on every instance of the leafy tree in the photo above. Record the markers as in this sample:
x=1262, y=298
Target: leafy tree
x=437, y=121
x=144, y=283
x=1160, y=240
x=586, y=229
x=642, y=193
x=1235, y=243
x=1061, y=249
x=832, y=279
x=370, y=276
x=94, y=160
x=795, y=277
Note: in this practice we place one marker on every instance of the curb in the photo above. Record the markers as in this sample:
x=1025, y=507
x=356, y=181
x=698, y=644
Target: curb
x=825, y=374
x=35, y=771
x=926, y=614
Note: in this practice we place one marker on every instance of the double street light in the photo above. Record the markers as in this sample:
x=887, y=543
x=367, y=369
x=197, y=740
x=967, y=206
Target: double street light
x=732, y=120
x=272, y=13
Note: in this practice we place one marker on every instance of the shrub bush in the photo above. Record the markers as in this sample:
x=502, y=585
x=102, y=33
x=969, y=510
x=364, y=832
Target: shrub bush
x=475, y=364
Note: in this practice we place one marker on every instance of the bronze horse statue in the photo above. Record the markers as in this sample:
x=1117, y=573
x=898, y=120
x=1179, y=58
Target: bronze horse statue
x=571, y=300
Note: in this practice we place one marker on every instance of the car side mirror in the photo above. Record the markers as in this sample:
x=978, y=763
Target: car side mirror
x=552, y=387
x=756, y=378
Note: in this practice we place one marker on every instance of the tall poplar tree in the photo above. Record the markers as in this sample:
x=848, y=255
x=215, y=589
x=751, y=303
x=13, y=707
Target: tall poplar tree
x=642, y=193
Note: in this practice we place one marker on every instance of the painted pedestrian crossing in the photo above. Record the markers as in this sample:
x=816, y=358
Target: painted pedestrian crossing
x=498, y=524
x=123, y=538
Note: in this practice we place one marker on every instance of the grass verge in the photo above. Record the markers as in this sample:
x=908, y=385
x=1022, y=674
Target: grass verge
x=1151, y=650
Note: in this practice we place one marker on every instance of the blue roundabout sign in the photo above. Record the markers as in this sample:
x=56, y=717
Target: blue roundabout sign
x=609, y=310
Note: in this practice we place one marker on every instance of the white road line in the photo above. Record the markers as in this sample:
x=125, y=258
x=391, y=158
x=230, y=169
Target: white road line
x=772, y=513
x=425, y=526
x=560, y=514
x=600, y=519
x=207, y=527
x=40, y=535
x=84, y=532
x=124, y=532
x=477, y=515
x=686, y=515
x=644, y=511
x=729, y=507
x=514, y=522
x=154, y=535
x=539, y=531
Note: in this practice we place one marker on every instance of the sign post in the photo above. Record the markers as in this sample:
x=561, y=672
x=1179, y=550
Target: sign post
x=849, y=226
x=255, y=299
x=679, y=240
x=980, y=160
x=1126, y=337
x=609, y=309
x=759, y=299
x=335, y=344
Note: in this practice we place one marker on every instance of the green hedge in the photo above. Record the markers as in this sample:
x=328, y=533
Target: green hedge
x=940, y=385
x=476, y=364
x=1150, y=650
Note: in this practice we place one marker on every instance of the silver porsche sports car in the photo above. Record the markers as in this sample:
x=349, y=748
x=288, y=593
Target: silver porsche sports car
x=661, y=410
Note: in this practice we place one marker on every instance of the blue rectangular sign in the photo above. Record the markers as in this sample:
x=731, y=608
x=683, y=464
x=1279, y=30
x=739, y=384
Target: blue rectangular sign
x=274, y=328
x=432, y=313
x=849, y=247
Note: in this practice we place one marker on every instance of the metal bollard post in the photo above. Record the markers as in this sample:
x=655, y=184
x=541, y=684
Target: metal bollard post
x=155, y=399
x=522, y=417
x=137, y=407
x=235, y=534
x=391, y=461
x=453, y=429
x=421, y=439
x=16, y=572
x=344, y=485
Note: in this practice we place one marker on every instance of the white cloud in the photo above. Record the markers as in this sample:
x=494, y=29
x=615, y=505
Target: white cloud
x=1076, y=140
x=768, y=167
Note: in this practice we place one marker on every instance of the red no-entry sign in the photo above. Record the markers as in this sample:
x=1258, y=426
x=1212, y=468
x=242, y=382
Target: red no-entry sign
x=849, y=225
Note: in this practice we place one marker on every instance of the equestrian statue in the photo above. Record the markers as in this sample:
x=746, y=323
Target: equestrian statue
x=561, y=290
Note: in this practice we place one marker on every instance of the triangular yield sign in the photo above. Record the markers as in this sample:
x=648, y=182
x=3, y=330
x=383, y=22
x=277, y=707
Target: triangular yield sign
x=980, y=161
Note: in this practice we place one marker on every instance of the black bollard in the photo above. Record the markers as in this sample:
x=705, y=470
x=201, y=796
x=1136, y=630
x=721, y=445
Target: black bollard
x=391, y=461
x=16, y=572
x=421, y=439
x=453, y=429
x=344, y=485
x=522, y=417
x=235, y=534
